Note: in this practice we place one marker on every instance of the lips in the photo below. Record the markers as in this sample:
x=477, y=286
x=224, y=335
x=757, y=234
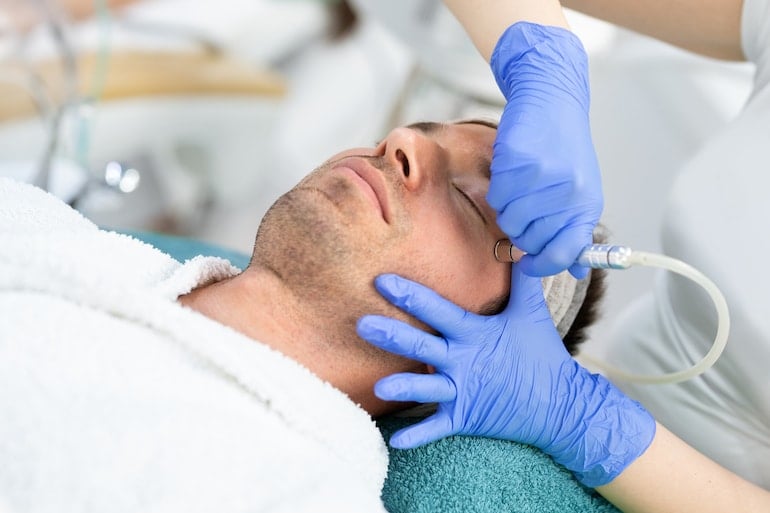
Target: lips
x=370, y=180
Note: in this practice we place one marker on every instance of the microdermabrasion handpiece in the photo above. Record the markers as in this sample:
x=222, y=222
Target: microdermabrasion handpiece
x=596, y=256
x=606, y=256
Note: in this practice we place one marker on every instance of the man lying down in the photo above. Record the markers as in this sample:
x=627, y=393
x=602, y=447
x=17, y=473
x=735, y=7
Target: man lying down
x=131, y=382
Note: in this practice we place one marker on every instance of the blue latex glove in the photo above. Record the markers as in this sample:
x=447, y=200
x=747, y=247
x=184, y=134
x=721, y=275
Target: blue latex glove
x=546, y=183
x=506, y=376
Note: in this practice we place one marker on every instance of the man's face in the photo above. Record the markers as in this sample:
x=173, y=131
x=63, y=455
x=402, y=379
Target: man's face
x=414, y=205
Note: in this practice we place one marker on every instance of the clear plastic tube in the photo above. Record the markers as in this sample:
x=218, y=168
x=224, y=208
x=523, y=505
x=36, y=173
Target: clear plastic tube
x=631, y=258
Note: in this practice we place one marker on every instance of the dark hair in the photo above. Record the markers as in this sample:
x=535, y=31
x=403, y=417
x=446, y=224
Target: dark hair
x=589, y=311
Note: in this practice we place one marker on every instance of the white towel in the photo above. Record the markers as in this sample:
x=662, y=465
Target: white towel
x=115, y=398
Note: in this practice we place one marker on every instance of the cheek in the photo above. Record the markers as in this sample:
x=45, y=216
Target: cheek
x=455, y=261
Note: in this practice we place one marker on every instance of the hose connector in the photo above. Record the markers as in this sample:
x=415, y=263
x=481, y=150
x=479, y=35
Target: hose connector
x=605, y=256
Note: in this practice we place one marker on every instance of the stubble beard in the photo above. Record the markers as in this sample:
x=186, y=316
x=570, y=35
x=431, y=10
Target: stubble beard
x=321, y=255
x=316, y=251
x=297, y=242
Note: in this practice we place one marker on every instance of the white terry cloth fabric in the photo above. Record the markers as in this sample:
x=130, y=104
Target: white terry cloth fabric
x=716, y=220
x=113, y=397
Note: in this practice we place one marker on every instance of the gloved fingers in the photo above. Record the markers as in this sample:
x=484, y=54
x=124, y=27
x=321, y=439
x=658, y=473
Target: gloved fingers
x=546, y=216
x=424, y=304
x=578, y=271
x=403, y=339
x=435, y=427
x=506, y=187
x=559, y=254
x=583, y=236
x=538, y=234
x=545, y=209
x=419, y=388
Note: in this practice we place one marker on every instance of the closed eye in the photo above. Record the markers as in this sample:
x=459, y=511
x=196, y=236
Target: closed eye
x=471, y=203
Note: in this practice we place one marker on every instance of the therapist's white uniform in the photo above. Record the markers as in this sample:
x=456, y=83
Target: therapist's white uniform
x=718, y=220
x=114, y=398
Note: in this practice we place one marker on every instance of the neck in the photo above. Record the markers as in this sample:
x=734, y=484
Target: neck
x=258, y=305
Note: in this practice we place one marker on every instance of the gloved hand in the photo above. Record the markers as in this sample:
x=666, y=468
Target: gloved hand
x=546, y=183
x=506, y=376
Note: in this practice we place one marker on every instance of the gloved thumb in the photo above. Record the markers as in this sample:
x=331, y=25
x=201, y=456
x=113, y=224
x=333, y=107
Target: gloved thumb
x=526, y=296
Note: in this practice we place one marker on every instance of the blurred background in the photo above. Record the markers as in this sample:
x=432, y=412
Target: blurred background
x=190, y=117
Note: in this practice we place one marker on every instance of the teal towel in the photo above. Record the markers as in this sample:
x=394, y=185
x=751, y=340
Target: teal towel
x=475, y=475
x=185, y=248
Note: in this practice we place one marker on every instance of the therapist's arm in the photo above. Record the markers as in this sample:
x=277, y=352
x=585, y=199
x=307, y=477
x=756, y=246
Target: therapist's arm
x=486, y=20
x=708, y=27
x=673, y=477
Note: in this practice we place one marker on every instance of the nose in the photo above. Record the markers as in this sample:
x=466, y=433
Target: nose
x=414, y=155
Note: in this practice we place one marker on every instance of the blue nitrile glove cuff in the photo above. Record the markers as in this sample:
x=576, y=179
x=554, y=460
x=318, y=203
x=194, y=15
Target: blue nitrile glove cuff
x=615, y=430
x=549, y=55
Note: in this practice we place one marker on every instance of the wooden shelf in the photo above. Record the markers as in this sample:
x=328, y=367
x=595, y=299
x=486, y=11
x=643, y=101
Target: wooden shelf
x=133, y=74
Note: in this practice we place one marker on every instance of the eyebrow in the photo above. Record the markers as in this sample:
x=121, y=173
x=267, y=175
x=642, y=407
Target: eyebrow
x=426, y=127
x=478, y=121
x=429, y=127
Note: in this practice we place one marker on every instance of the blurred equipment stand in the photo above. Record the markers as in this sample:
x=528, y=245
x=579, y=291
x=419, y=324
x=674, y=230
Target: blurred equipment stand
x=60, y=100
x=54, y=20
x=56, y=94
x=50, y=108
x=101, y=110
